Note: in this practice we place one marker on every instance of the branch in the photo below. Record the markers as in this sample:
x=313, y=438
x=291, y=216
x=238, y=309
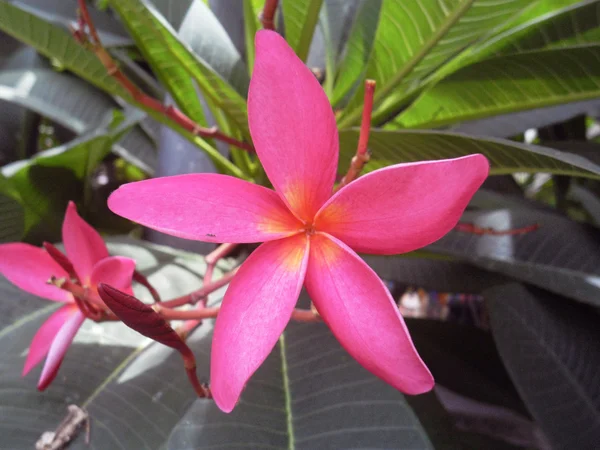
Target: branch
x=198, y=295
x=138, y=95
x=299, y=315
x=362, y=152
x=267, y=16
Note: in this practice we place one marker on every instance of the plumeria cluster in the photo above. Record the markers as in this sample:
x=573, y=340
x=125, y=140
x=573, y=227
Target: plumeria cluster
x=310, y=237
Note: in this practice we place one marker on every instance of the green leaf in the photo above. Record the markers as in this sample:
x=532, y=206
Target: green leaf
x=56, y=43
x=464, y=359
x=11, y=211
x=74, y=104
x=300, y=19
x=393, y=147
x=251, y=25
x=357, y=52
x=551, y=349
x=415, y=38
x=172, y=59
x=561, y=256
x=508, y=84
x=302, y=398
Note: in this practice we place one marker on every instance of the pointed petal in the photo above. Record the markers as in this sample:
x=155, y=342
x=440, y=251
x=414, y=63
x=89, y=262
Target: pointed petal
x=116, y=271
x=45, y=335
x=358, y=308
x=292, y=126
x=84, y=246
x=59, y=347
x=205, y=207
x=29, y=268
x=257, y=306
x=403, y=207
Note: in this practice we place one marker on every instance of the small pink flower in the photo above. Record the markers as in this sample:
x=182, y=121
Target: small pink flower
x=30, y=267
x=310, y=235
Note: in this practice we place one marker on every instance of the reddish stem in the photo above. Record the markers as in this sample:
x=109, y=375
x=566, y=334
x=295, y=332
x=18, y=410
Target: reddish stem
x=362, y=155
x=474, y=229
x=195, y=296
x=267, y=16
x=220, y=252
x=140, y=278
x=305, y=315
x=299, y=315
x=139, y=96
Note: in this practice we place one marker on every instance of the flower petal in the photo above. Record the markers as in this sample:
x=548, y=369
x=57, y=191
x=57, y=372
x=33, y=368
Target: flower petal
x=29, y=268
x=43, y=338
x=403, y=207
x=205, y=207
x=59, y=347
x=84, y=246
x=116, y=271
x=257, y=306
x=358, y=308
x=292, y=126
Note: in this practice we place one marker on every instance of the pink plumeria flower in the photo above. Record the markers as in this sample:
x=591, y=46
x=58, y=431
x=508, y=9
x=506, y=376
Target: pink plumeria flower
x=29, y=268
x=310, y=235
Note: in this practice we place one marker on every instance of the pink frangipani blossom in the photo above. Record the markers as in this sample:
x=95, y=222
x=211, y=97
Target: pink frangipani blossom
x=29, y=268
x=310, y=236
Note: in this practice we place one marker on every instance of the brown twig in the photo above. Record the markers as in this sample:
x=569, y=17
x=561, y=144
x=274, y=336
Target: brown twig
x=362, y=152
x=138, y=95
x=267, y=16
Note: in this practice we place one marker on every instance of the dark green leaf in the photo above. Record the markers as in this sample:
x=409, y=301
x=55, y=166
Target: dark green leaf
x=508, y=84
x=430, y=274
x=414, y=38
x=393, y=147
x=300, y=19
x=561, y=255
x=11, y=211
x=323, y=400
x=551, y=348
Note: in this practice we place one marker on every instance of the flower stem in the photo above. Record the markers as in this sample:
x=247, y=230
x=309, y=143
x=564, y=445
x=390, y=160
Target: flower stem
x=138, y=95
x=267, y=16
x=140, y=278
x=362, y=152
x=195, y=296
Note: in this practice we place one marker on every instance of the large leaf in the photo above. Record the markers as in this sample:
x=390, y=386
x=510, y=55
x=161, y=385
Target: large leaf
x=169, y=55
x=308, y=394
x=357, y=51
x=508, y=84
x=561, y=255
x=300, y=19
x=74, y=104
x=393, y=147
x=414, y=38
x=434, y=275
x=551, y=348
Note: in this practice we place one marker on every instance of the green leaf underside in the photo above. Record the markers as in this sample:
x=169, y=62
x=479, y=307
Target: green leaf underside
x=55, y=42
x=414, y=38
x=561, y=256
x=551, y=349
x=508, y=84
x=394, y=147
x=152, y=32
